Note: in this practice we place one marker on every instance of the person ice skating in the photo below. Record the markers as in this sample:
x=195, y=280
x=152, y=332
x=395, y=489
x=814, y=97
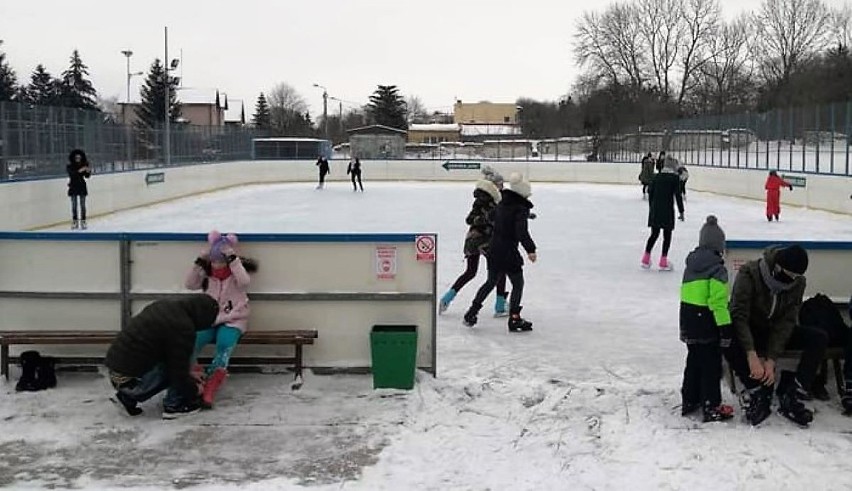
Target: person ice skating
x=154, y=353
x=78, y=171
x=646, y=176
x=322, y=163
x=486, y=196
x=764, y=306
x=660, y=164
x=683, y=175
x=773, y=186
x=705, y=324
x=510, y=230
x=224, y=276
x=663, y=194
x=354, y=170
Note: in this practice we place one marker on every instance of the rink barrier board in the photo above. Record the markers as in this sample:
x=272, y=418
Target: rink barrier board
x=829, y=266
x=317, y=281
x=43, y=203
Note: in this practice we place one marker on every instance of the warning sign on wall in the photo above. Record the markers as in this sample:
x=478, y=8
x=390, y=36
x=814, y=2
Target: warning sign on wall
x=425, y=245
x=385, y=262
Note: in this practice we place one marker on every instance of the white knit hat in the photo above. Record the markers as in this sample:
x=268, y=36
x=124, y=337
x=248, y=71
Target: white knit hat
x=519, y=185
x=492, y=175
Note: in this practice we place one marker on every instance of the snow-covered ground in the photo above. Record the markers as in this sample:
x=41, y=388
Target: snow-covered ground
x=589, y=400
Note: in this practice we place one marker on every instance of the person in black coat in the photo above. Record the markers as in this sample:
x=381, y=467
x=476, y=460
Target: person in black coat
x=661, y=162
x=663, y=194
x=78, y=172
x=322, y=163
x=511, y=229
x=154, y=352
x=354, y=170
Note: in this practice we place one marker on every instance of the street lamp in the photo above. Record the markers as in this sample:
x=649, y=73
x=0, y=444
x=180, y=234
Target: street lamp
x=127, y=54
x=324, y=109
x=169, y=66
x=340, y=116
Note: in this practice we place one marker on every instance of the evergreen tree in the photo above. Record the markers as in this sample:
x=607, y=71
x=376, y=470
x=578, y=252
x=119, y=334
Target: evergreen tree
x=388, y=108
x=262, y=118
x=77, y=90
x=8, y=81
x=151, y=112
x=43, y=88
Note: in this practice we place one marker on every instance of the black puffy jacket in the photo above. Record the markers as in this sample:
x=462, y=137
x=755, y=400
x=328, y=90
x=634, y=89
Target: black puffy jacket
x=510, y=230
x=164, y=332
x=76, y=179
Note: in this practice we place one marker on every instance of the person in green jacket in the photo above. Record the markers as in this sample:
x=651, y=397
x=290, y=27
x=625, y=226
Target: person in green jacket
x=764, y=307
x=705, y=324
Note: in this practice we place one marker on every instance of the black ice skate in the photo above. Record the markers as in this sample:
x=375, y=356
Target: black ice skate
x=722, y=412
x=757, y=403
x=182, y=410
x=518, y=323
x=470, y=317
x=125, y=403
x=789, y=404
x=846, y=399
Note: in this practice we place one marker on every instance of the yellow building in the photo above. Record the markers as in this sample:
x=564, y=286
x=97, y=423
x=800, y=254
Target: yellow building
x=485, y=113
x=433, y=133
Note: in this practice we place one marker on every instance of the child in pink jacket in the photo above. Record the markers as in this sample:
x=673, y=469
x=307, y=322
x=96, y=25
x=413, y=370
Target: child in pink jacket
x=223, y=275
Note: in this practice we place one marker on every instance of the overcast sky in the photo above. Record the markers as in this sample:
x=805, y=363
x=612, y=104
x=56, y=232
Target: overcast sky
x=439, y=50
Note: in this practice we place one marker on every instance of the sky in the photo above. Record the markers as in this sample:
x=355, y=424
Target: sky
x=438, y=50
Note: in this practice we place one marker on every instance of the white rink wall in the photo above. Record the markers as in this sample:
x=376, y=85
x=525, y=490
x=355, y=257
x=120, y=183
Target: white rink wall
x=43, y=203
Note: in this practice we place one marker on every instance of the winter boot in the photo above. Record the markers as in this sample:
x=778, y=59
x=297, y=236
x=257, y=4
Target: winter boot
x=789, y=404
x=758, y=404
x=665, y=265
x=446, y=300
x=500, y=306
x=818, y=390
x=211, y=387
x=75, y=224
x=722, y=412
x=46, y=372
x=83, y=225
x=30, y=360
x=846, y=399
x=777, y=218
x=769, y=217
x=470, y=318
x=646, y=260
x=518, y=323
x=127, y=404
x=175, y=412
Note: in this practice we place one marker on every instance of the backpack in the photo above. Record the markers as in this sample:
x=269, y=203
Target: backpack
x=820, y=312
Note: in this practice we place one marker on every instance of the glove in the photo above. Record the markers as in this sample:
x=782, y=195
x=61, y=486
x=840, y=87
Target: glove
x=680, y=217
x=725, y=336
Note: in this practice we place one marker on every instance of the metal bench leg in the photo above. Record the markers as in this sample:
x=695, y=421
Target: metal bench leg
x=4, y=360
x=298, y=380
x=838, y=376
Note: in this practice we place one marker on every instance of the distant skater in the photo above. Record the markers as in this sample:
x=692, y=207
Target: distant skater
x=322, y=163
x=774, y=183
x=647, y=174
x=78, y=171
x=663, y=195
x=354, y=171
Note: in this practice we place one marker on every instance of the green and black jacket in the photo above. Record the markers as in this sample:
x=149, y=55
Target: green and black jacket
x=703, y=297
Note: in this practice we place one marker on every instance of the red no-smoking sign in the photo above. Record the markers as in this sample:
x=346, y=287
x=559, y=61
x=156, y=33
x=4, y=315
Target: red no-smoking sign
x=425, y=245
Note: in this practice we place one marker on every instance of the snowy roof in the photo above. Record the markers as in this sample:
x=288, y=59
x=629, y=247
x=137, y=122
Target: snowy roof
x=489, y=129
x=193, y=95
x=234, y=112
x=287, y=139
x=434, y=127
x=377, y=128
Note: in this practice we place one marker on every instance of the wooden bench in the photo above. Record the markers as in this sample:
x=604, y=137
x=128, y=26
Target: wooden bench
x=834, y=355
x=297, y=338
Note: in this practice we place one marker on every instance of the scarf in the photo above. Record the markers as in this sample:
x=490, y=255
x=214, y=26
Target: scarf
x=775, y=287
x=221, y=274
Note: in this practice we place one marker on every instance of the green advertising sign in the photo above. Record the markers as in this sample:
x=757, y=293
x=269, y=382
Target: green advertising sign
x=450, y=165
x=795, y=181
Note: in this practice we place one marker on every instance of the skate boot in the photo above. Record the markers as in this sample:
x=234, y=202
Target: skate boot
x=846, y=399
x=83, y=225
x=518, y=323
x=665, y=265
x=212, y=386
x=30, y=360
x=75, y=224
x=446, y=300
x=722, y=412
x=175, y=412
x=500, y=306
x=646, y=261
x=470, y=318
x=758, y=404
x=126, y=404
x=769, y=217
x=789, y=404
x=46, y=372
x=777, y=218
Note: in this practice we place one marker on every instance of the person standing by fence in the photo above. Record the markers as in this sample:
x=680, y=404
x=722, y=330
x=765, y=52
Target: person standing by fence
x=78, y=171
x=322, y=163
x=354, y=171
x=647, y=174
x=773, y=186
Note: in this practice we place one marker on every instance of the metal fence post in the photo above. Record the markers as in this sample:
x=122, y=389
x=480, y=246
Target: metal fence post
x=818, y=136
x=125, y=280
x=848, y=111
x=831, y=109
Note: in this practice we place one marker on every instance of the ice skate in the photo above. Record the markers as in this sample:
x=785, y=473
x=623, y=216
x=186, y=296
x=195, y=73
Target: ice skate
x=211, y=387
x=789, y=404
x=448, y=297
x=757, y=403
x=646, y=261
x=518, y=323
x=500, y=307
x=75, y=224
x=722, y=412
x=665, y=265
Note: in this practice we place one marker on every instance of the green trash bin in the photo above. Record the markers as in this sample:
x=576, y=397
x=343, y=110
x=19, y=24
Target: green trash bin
x=394, y=353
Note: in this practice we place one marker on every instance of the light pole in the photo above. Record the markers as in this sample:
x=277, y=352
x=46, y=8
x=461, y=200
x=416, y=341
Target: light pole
x=324, y=109
x=127, y=54
x=169, y=66
x=340, y=113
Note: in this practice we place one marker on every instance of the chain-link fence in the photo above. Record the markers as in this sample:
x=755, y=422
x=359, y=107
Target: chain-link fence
x=35, y=142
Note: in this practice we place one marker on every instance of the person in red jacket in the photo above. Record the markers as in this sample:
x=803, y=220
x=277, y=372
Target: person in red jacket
x=774, y=183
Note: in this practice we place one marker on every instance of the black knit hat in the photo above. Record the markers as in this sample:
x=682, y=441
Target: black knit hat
x=793, y=258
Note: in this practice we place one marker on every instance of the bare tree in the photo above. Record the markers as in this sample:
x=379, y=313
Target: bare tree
x=726, y=74
x=284, y=96
x=841, y=20
x=416, y=110
x=700, y=21
x=609, y=44
x=288, y=110
x=662, y=34
x=593, y=49
x=790, y=33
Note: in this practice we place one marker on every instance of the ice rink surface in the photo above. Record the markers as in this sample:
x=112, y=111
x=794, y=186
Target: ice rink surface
x=588, y=400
